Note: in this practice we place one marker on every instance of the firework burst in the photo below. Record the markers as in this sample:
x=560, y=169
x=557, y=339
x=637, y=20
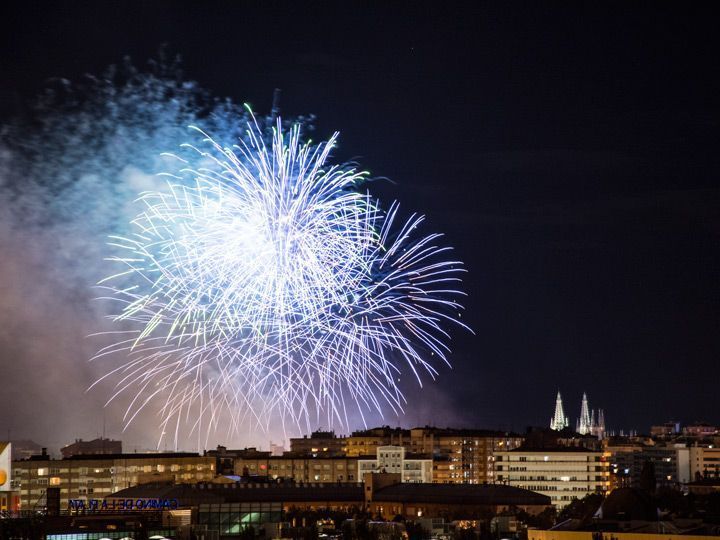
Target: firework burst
x=262, y=283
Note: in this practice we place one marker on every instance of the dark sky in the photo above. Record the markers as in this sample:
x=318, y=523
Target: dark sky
x=568, y=152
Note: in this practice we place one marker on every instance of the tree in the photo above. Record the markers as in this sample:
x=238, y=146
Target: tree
x=647, y=477
x=583, y=508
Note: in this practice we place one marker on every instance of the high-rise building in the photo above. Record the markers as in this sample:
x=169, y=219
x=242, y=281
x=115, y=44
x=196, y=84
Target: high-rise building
x=559, y=421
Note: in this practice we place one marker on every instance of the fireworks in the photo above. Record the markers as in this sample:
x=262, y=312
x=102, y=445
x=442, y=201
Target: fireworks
x=264, y=284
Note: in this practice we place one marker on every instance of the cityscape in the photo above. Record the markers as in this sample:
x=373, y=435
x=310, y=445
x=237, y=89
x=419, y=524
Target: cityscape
x=377, y=270
x=421, y=481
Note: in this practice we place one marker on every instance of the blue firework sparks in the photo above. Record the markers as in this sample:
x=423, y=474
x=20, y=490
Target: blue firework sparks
x=263, y=283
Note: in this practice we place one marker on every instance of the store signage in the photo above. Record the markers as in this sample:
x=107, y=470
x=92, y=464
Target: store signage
x=121, y=505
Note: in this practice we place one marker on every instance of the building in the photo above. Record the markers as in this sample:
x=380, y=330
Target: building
x=590, y=422
x=95, y=447
x=296, y=467
x=366, y=442
x=320, y=443
x=84, y=477
x=559, y=421
x=630, y=514
x=393, y=459
x=583, y=424
x=700, y=430
x=9, y=496
x=229, y=509
x=23, y=449
x=388, y=498
x=704, y=462
x=628, y=458
x=461, y=456
x=561, y=473
x=668, y=429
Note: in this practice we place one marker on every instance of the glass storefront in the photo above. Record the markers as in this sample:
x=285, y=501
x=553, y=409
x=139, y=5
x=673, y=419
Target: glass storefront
x=233, y=518
x=111, y=535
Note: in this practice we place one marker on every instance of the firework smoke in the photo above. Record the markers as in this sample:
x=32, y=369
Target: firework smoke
x=263, y=283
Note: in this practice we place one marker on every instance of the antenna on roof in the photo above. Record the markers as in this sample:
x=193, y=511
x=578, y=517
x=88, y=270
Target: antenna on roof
x=275, y=111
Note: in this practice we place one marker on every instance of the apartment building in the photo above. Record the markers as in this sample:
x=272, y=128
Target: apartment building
x=394, y=459
x=328, y=469
x=704, y=462
x=561, y=473
x=84, y=477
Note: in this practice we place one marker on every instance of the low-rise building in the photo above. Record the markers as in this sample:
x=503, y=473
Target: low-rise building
x=230, y=509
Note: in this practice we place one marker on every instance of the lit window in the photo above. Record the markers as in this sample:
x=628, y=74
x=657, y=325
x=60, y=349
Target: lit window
x=42, y=471
x=55, y=481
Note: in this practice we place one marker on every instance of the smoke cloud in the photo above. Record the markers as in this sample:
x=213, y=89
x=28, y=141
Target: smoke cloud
x=71, y=169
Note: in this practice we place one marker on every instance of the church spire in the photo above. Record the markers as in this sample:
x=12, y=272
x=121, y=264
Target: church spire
x=584, y=424
x=559, y=420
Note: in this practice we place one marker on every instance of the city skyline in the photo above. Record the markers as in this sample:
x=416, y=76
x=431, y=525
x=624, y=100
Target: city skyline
x=568, y=154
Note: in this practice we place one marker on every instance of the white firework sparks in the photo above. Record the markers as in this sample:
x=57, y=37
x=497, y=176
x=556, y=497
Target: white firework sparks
x=265, y=285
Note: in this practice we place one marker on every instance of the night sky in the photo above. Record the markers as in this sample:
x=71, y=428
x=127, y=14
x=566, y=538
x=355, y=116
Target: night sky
x=569, y=153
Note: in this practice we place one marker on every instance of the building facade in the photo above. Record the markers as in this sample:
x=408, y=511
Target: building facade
x=462, y=456
x=335, y=469
x=627, y=460
x=459, y=456
x=95, y=477
x=319, y=443
x=704, y=462
x=393, y=459
x=94, y=447
x=563, y=474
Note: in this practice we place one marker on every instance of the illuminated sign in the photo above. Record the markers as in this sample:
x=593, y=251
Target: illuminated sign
x=4, y=466
x=121, y=505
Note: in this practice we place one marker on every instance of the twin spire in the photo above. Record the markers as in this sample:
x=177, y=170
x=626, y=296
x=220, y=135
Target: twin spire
x=588, y=423
x=559, y=421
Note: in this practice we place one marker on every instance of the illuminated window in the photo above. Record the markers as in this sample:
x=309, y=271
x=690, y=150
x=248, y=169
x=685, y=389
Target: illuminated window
x=55, y=481
x=42, y=471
